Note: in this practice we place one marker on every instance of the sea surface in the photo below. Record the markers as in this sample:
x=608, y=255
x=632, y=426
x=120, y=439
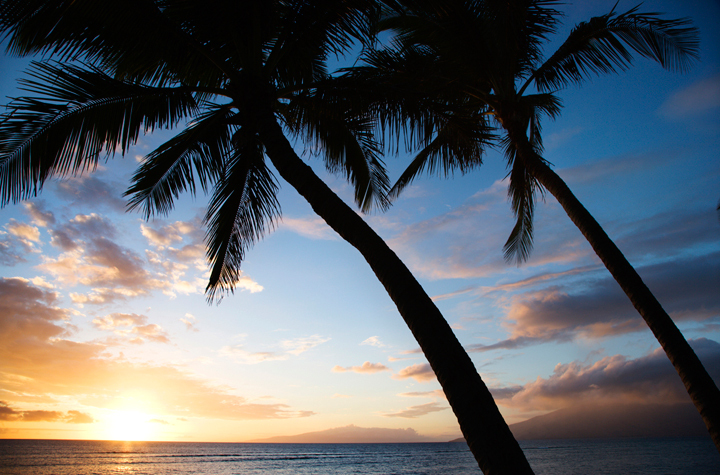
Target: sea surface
x=667, y=456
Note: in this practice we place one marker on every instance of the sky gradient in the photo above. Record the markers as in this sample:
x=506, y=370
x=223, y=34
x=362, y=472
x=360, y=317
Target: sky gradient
x=105, y=332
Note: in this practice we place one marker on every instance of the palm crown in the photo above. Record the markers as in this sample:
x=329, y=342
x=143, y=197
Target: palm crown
x=482, y=62
x=206, y=66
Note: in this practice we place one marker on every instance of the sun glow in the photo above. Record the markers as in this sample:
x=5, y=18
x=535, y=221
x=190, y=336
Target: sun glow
x=129, y=425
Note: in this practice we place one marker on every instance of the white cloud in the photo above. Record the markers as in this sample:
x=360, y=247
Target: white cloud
x=374, y=341
x=313, y=228
x=366, y=368
x=696, y=99
x=301, y=345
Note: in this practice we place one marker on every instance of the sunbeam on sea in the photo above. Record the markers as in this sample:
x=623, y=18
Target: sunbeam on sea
x=667, y=456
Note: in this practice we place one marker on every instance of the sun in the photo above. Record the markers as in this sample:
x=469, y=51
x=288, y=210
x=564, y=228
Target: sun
x=129, y=425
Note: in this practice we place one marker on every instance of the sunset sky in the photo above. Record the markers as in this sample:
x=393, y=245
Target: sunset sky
x=105, y=331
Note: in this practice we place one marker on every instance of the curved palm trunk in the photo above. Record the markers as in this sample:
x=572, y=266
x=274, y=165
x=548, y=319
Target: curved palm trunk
x=700, y=386
x=487, y=434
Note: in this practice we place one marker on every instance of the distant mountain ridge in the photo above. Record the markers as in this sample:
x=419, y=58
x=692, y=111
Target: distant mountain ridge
x=588, y=421
x=350, y=435
x=630, y=420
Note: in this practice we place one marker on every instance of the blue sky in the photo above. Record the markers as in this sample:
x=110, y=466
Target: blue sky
x=106, y=332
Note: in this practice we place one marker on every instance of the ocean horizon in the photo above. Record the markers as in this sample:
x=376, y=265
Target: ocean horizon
x=620, y=456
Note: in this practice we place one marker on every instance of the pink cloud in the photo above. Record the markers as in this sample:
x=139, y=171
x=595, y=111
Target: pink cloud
x=414, y=412
x=421, y=373
x=611, y=380
x=366, y=368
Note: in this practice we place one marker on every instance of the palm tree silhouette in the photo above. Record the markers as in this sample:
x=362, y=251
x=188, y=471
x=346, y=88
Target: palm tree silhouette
x=241, y=73
x=462, y=76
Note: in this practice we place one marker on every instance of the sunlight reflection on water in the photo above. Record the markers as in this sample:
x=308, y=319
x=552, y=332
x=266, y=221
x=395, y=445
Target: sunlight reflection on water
x=691, y=456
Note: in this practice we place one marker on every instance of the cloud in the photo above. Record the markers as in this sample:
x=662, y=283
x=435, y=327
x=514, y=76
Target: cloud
x=301, y=345
x=189, y=320
x=612, y=167
x=159, y=421
x=366, y=368
x=17, y=240
x=374, y=341
x=29, y=235
x=91, y=258
x=695, y=100
x=240, y=355
x=165, y=235
x=611, y=380
x=91, y=189
x=313, y=228
x=178, y=248
x=10, y=255
x=77, y=417
x=414, y=412
x=131, y=325
x=557, y=139
x=38, y=359
x=596, y=307
x=466, y=242
x=437, y=393
x=421, y=373
x=39, y=216
x=7, y=413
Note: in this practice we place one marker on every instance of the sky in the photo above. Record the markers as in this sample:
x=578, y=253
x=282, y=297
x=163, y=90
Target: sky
x=105, y=331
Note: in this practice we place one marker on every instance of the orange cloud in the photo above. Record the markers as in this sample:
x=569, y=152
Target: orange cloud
x=366, y=368
x=37, y=359
x=421, y=373
x=414, y=412
x=313, y=228
x=611, y=380
x=437, y=393
x=301, y=345
x=39, y=217
x=7, y=413
x=132, y=325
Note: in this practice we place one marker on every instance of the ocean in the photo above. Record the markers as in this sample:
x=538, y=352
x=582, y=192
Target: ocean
x=666, y=456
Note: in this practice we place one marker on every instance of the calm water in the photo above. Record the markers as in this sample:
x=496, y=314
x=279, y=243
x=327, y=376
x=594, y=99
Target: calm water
x=691, y=456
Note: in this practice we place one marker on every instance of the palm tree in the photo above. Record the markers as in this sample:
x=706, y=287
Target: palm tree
x=241, y=73
x=482, y=63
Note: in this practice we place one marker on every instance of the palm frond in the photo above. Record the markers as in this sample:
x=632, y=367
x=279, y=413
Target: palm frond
x=310, y=31
x=521, y=192
x=76, y=114
x=171, y=168
x=336, y=128
x=243, y=208
x=97, y=33
x=458, y=146
x=602, y=46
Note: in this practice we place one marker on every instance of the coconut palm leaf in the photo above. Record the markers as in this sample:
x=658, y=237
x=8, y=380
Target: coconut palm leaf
x=75, y=115
x=600, y=46
x=51, y=27
x=345, y=141
x=171, y=169
x=242, y=209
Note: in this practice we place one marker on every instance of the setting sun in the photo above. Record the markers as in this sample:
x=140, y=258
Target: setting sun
x=129, y=425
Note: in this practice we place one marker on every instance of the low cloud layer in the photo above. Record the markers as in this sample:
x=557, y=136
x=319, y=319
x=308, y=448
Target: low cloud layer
x=687, y=290
x=611, y=380
x=365, y=368
x=38, y=358
x=10, y=414
x=414, y=412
